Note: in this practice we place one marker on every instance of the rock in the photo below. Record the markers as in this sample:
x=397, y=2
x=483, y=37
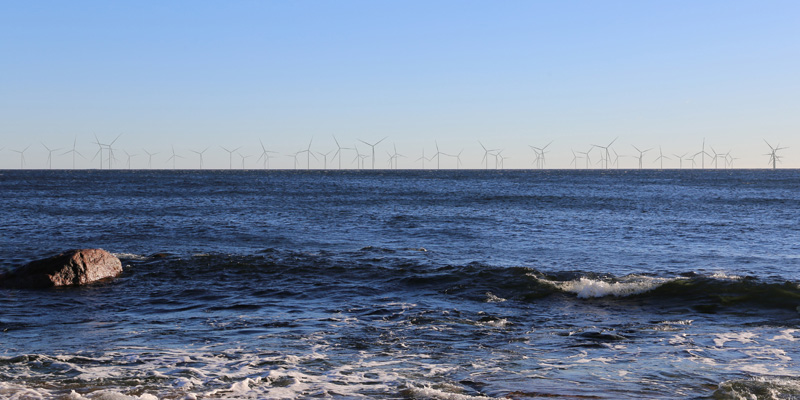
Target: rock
x=71, y=268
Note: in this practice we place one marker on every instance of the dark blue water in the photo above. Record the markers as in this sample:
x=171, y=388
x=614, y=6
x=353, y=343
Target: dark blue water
x=407, y=284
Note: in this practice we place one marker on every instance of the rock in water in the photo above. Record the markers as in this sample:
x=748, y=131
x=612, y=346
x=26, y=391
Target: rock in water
x=71, y=268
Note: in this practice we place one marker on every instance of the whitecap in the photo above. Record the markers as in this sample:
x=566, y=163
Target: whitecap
x=628, y=286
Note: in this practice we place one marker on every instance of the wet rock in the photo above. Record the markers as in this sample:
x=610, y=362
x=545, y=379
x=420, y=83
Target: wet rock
x=71, y=268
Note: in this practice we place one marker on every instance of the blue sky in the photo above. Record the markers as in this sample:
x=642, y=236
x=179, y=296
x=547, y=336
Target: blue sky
x=509, y=73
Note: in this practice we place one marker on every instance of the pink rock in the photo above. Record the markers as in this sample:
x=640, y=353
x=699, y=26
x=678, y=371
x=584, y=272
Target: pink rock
x=71, y=268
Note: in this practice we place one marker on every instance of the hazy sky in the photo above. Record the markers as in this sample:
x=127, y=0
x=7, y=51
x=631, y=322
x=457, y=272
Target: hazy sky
x=197, y=74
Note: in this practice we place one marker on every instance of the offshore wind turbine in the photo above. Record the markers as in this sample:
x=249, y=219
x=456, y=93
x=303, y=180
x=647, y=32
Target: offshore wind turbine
x=539, y=151
x=111, y=151
x=129, y=157
x=309, y=155
x=244, y=157
x=338, y=152
x=641, y=154
x=230, y=156
x=394, y=156
x=149, y=158
x=373, y=149
x=661, y=157
x=574, y=161
x=586, y=154
x=73, y=151
x=99, y=150
x=680, y=159
x=702, y=153
x=605, y=148
x=486, y=154
x=358, y=159
x=174, y=157
x=438, y=155
x=773, y=154
x=21, y=156
x=264, y=154
x=294, y=156
x=423, y=158
x=458, y=159
x=50, y=155
x=200, y=154
x=716, y=156
x=325, y=157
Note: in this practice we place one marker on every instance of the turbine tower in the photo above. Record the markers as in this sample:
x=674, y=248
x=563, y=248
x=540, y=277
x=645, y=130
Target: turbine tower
x=50, y=156
x=174, y=157
x=230, y=156
x=605, y=148
x=661, y=158
x=373, y=149
x=641, y=154
x=73, y=151
x=149, y=158
x=264, y=154
x=773, y=154
x=21, y=156
x=200, y=153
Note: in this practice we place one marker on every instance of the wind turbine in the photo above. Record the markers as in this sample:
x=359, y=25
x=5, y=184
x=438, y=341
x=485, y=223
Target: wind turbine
x=641, y=154
x=438, y=155
x=200, y=154
x=773, y=154
x=605, y=148
x=539, y=151
x=502, y=159
x=50, y=156
x=73, y=151
x=703, y=155
x=149, y=158
x=174, y=157
x=230, y=156
x=423, y=158
x=244, y=157
x=458, y=159
x=694, y=164
x=586, y=154
x=661, y=157
x=680, y=159
x=21, y=156
x=574, y=161
x=338, y=152
x=264, y=154
x=373, y=149
x=294, y=156
x=111, y=151
x=129, y=157
x=486, y=154
x=99, y=150
x=325, y=157
x=715, y=157
x=310, y=154
x=394, y=156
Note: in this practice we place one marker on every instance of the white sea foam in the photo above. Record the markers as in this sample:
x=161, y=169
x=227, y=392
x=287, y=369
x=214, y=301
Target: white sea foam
x=428, y=392
x=492, y=298
x=741, y=337
x=631, y=285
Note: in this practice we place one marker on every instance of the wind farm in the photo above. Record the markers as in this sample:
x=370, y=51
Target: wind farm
x=334, y=154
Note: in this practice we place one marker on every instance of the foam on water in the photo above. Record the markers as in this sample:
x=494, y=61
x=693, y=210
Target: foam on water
x=626, y=286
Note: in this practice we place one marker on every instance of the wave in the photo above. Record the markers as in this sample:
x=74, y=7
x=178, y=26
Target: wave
x=767, y=388
x=377, y=270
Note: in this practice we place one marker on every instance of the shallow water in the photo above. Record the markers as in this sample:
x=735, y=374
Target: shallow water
x=407, y=284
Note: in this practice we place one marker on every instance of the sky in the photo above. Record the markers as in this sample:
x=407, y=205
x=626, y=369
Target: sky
x=184, y=76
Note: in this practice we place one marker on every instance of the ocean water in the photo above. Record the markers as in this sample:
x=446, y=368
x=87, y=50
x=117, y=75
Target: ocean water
x=407, y=285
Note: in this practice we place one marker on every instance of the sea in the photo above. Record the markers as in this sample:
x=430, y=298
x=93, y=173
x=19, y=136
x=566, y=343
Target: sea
x=423, y=284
